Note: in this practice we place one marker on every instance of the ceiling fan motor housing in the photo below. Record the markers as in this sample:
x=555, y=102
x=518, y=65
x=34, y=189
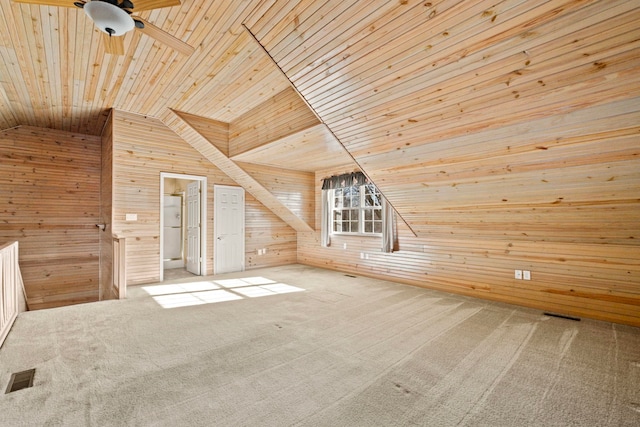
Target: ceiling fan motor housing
x=108, y=17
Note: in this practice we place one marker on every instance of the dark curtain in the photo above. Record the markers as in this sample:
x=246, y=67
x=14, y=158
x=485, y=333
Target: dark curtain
x=345, y=180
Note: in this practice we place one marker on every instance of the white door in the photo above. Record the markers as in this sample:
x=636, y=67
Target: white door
x=229, y=229
x=193, y=227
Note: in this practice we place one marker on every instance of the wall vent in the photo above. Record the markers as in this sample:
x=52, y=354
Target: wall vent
x=20, y=380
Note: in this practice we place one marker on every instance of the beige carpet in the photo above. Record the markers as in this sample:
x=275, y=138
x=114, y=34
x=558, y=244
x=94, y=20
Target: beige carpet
x=308, y=347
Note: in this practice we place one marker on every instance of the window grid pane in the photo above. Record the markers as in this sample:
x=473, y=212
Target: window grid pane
x=357, y=210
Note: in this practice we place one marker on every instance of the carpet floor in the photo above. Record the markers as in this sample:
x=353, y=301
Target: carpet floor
x=302, y=346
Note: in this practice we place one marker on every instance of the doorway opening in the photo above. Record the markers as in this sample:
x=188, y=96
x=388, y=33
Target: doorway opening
x=183, y=213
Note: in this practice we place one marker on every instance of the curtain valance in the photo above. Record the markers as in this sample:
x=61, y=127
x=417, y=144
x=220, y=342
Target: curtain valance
x=344, y=180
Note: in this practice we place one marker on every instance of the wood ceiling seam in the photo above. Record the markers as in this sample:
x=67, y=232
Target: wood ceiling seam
x=35, y=34
x=294, y=21
x=449, y=41
x=297, y=63
x=259, y=11
x=125, y=77
x=506, y=153
x=83, y=43
x=402, y=119
x=140, y=52
x=225, y=65
x=51, y=51
x=390, y=27
x=551, y=100
x=370, y=23
x=270, y=82
x=223, y=70
x=66, y=61
x=302, y=68
x=443, y=73
x=621, y=151
x=179, y=94
x=33, y=97
x=525, y=78
x=8, y=93
x=278, y=13
x=470, y=128
x=148, y=52
x=412, y=58
x=146, y=47
x=287, y=30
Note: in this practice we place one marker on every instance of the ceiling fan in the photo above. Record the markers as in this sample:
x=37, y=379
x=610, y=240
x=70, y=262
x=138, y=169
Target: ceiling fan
x=114, y=18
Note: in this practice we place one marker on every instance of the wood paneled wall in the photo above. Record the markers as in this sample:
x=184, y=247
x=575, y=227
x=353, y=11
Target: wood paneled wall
x=282, y=115
x=294, y=189
x=106, y=212
x=50, y=189
x=142, y=148
x=564, y=207
x=505, y=134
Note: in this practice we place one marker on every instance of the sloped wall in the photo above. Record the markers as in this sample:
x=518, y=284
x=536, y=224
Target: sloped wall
x=505, y=133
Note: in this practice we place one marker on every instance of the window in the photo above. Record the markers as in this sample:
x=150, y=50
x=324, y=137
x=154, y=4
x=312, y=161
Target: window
x=357, y=210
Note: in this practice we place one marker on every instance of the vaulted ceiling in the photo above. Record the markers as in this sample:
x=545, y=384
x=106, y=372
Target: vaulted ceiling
x=55, y=72
x=448, y=92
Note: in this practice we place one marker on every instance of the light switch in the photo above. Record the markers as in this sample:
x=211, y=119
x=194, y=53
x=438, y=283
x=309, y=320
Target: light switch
x=131, y=217
x=526, y=275
x=518, y=274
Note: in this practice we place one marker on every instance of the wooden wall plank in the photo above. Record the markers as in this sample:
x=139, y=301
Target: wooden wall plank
x=478, y=218
x=281, y=116
x=106, y=212
x=294, y=189
x=315, y=149
x=50, y=187
x=186, y=131
x=142, y=148
x=504, y=134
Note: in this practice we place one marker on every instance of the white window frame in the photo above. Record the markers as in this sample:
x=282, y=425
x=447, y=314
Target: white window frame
x=361, y=208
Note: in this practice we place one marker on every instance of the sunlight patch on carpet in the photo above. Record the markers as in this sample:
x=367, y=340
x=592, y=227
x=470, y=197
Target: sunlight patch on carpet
x=208, y=292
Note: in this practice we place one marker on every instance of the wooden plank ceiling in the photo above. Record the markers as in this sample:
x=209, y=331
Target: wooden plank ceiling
x=391, y=79
x=55, y=73
x=423, y=93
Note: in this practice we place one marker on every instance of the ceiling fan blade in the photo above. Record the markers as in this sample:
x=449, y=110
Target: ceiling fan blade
x=60, y=3
x=163, y=37
x=140, y=5
x=113, y=45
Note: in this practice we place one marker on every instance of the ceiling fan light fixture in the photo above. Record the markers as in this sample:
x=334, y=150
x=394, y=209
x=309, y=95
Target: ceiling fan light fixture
x=108, y=17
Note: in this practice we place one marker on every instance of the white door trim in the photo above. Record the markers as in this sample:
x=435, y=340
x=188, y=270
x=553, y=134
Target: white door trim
x=203, y=217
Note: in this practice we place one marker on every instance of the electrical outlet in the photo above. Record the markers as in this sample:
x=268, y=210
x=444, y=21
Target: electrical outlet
x=344, y=246
x=518, y=274
x=526, y=275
